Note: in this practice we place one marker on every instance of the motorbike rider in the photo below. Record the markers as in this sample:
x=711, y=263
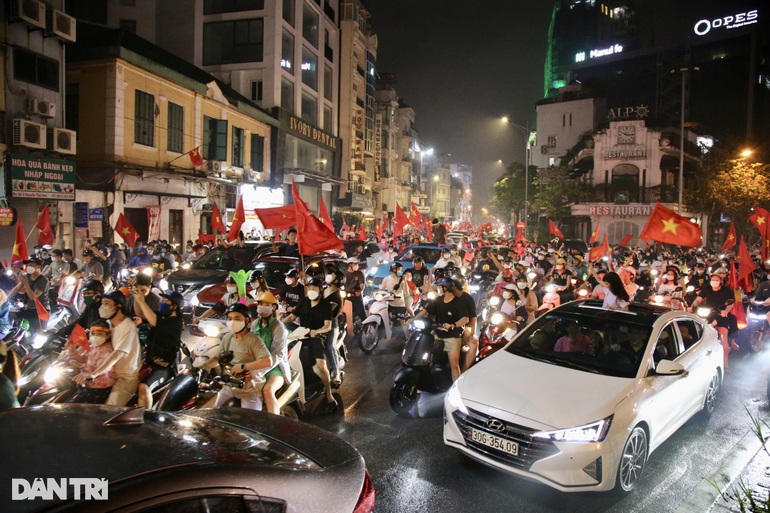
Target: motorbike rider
x=31, y=285
x=720, y=299
x=273, y=334
x=332, y=296
x=92, y=267
x=92, y=291
x=100, y=348
x=470, y=339
x=229, y=298
x=141, y=258
x=6, y=323
x=166, y=336
x=258, y=286
x=159, y=263
x=126, y=355
x=315, y=315
x=294, y=291
x=762, y=296
x=628, y=275
x=251, y=359
x=142, y=286
x=669, y=280
x=446, y=259
x=526, y=296
x=421, y=274
x=355, y=283
x=488, y=262
x=400, y=306
x=451, y=317
x=562, y=278
x=698, y=278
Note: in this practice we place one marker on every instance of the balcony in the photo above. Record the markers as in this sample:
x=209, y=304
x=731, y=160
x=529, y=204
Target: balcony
x=623, y=195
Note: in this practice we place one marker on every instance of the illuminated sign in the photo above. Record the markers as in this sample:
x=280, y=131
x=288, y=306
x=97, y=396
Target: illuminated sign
x=298, y=126
x=639, y=112
x=599, y=52
x=626, y=153
x=619, y=210
x=732, y=21
x=285, y=64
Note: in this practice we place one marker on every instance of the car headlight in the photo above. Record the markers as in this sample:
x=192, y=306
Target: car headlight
x=497, y=318
x=590, y=433
x=39, y=340
x=163, y=284
x=52, y=375
x=186, y=265
x=455, y=401
x=194, y=301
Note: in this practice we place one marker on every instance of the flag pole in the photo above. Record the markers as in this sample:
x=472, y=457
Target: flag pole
x=187, y=153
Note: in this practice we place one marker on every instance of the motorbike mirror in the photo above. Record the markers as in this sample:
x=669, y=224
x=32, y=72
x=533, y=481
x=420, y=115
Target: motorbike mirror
x=196, y=332
x=226, y=357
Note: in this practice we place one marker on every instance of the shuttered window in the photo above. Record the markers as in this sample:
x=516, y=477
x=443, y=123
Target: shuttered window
x=144, y=118
x=175, y=127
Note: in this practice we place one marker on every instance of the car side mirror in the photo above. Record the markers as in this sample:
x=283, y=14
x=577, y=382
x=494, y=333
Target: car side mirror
x=669, y=368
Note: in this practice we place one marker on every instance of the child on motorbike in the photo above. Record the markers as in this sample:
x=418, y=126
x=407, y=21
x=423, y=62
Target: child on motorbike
x=97, y=389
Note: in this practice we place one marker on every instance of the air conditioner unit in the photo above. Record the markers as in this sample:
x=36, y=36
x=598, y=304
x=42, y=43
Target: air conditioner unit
x=215, y=166
x=29, y=134
x=61, y=25
x=31, y=12
x=41, y=108
x=62, y=140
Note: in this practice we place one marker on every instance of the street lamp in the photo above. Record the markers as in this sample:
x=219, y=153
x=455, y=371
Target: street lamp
x=746, y=153
x=526, y=165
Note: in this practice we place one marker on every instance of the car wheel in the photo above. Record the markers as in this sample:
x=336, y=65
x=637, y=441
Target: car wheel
x=403, y=397
x=711, y=395
x=369, y=338
x=632, y=461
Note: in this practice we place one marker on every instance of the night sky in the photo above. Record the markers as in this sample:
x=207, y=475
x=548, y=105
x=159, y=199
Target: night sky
x=462, y=65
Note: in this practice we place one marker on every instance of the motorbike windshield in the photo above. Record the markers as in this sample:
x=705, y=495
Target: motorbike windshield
x=609, y=345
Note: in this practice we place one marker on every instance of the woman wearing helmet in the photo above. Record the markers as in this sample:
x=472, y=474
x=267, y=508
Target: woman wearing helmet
x=273, y=334
x=97, y=390
x=250, y=359
x=229, y=298
x=258, y=286
x=315, y=315
x=126, y=355
x=562, y=278
x=91, y=291
x=165, y=337
x=332, y=296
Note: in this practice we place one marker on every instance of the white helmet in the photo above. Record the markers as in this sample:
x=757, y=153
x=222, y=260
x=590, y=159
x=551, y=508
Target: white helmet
x=206, y=353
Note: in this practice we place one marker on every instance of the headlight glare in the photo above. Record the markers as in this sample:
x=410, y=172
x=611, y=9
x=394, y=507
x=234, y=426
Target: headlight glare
x=590, y=433
x=454, y=399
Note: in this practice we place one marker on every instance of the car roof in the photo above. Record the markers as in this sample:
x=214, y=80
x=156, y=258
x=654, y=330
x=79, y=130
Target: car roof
x=637, y=312
x=308, y=258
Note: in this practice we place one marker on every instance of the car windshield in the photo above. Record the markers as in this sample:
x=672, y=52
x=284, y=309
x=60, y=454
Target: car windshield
x=602, y=342
x=429, y=255
x=274, y=273
x=230, y=259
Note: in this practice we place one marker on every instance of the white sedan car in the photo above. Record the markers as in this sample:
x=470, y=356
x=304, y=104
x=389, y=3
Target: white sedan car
x=580, y=399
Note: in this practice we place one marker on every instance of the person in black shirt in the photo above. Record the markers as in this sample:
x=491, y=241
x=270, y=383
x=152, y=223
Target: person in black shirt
x=451, y=317
x=721, y=300
x=165, y=338
x=31, y=285
x=159, y=263
x=334, y=298
x=469, y=335
x=420, y=275
x=315, y=314
x=291, y=248
x=355, y=282
x=293, y=292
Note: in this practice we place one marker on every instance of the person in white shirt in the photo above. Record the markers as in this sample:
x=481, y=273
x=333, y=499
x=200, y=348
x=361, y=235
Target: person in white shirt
x=396, y=285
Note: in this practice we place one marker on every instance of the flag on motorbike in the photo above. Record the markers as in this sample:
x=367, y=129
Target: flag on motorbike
x=126, y=230
x=323, y=213
x=595, y=234
x=730, y=240
x=737, y=311
x=44, y=225
x=20, y=252
x=315, y=236
x=216, y=220
x=554, y=230
x=277, y=218
x=79, y=337
x=746, y=265
x=238, y=219
x=42, y=313
x=666, y=226
x=760, y=218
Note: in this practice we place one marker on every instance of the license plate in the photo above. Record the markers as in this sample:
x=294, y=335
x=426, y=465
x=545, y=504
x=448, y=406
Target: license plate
x=495, y=442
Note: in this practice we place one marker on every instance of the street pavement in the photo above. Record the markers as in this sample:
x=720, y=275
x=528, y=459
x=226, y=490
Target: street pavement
x=412, y=470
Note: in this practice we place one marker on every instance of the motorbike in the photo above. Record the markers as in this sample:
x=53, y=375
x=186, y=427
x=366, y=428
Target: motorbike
x=500, y=330
x=424, y=368
x=46, y=348
x=480, y=284
x=378, y=324
x=551, y=300
x=759, y=330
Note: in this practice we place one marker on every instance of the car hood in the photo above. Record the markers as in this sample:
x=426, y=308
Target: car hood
x=197, y=276
x=548, y=396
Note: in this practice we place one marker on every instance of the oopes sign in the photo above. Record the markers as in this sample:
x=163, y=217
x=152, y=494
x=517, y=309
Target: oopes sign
x=41, y=178
x=731, y=21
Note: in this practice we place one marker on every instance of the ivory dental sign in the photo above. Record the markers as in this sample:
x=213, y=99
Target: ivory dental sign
x=599, y=52
x=732, y=21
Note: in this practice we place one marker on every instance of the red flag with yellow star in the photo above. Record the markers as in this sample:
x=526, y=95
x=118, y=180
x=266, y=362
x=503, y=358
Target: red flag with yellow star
x=126, y=230
x=238, y=219
x=314, y=235
x=278, y=218
x=747, y=266
x=730, y=240
x=196, y=159
x=78, y=337
x=42, y=313
x=216, y=220
x=20, y=252
x=666, y=226
x=597, y=252
x=44, y=225
x=323, y=213
x=554, y=230
x=737, y=311
x=595, y=234
x=760, y=218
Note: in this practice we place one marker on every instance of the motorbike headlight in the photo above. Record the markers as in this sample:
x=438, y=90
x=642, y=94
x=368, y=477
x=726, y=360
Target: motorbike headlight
x=419, y=324
x=194, y=301
x=474, y=288
x=432, y=295
x=494, y=301
x=497, y=318
x=373, y=270
x=551, y=288
x=70, y=280
x=756, y=316
x=9, y=272
x=455, y=401
x=39, y=340
x=163, y=284
x=582, y=293
x=124, y=273
x=703, y=311
x=186, y=265
x=532, y=275
x=658, y=298
x=654, y=272
x=52, y=375
x=590, y=433
x=689, y=289
x=210, y=329
x=147, y=271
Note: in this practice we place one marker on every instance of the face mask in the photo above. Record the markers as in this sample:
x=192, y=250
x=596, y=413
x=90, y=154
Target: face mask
x=699, y=271
x=522, y=285
x=89, y=300
x=312, y=295
x=559, y=267
x=670, y=278
x=507, y=294
x=264, y=311
x=232, y=289
x=355, y=267
x=289, y=281
x=236, y=326
x=164, y=308
x=715, y=283
x=446, y=256
x=30, y=269
x=506, y=266
x=329, y=278
x=97, y=340
x=105, y=312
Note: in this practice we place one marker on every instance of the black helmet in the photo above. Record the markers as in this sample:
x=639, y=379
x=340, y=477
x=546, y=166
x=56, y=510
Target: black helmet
x=314, y=282
x=450, y=267
x=255, y=276
x=176, y=298
x=395, y=267
x=292, y=273
x=88, y=252
x=117, y=297
x=447, y=283
x=94, y=285
x=438, y=273
x=238, y=308
x=339, y=277
x=459, y=280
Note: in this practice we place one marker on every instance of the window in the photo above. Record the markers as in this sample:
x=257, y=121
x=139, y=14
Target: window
x=256, y=90
x=690, y=331
x=257, y=152
x=222, y=6
x=287, y=94
x=144, y=118
x=288, y=11
x=328, y=125
x=128, y=25
x=72, y=106
x=309, y=68
x=175, y=127
x=310, y=25
x=237, y=160
x=214, y=139
x=35, y=69
x=309, y=109
x=328, y=82
x=229, y=42
x=552, y=141
x=287, y=51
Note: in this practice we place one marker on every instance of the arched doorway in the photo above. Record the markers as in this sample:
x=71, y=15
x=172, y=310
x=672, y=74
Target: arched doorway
x=619, y=229
x=625, y=183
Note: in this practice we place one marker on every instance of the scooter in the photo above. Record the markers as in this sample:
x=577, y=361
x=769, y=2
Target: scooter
x=377, y=325
x=480, y=284
x=424, y=367
x=500, y=330
x=758, y=328
x=304, y=371
x=46, y=348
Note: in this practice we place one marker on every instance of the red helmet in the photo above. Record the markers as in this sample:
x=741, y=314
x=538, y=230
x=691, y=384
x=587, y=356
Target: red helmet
x=507, y=275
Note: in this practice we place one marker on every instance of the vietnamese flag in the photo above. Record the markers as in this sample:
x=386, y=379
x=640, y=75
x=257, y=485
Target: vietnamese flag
x=238, y=219
x=415, y=216
x=20, y=252
x=400, y=221
x=598, y=252
x=760, y=218
x=216, y=221
x=595, y=234
x=746, y=265
x=378, y=229
x=737, y=311
x=196, y=159
x=730, y=240
x=362, y=232
x=126, y=230
x=44, y=225
x=42, y=313
x=666, y=226
x=278, y=218
x=324, y=215
x=554, y=230
x=78, y=337
x=626, y=240
x=314, y=235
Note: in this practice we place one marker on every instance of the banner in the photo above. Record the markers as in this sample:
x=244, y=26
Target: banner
x=95, y=223
x=41, y=178
x=153, y=222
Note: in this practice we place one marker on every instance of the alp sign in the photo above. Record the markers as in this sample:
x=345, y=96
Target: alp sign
x=741, y=19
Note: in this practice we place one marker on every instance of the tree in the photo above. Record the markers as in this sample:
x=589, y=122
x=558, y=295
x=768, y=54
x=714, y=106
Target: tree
x=509, y=190
x=556, y=192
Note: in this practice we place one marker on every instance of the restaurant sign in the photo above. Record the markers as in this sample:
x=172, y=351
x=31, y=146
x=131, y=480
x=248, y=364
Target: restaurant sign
x=620, y=210
x=626, y=153
x=41, y=178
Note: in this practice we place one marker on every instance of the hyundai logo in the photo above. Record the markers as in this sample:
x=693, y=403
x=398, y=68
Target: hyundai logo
x=495, y=425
